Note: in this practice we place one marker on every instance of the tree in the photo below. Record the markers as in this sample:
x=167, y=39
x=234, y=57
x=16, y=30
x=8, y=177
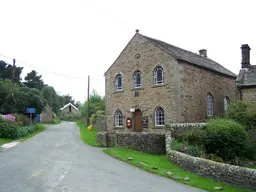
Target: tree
x=49, y=94
x=68, y=99
x=96, y=103
x=6, y=72
x=33, y=80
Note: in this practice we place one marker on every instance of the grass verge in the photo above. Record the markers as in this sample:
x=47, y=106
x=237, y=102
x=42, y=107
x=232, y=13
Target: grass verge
x=88, y=137
x=39, y=129
x=151, y=162
x=4, y=140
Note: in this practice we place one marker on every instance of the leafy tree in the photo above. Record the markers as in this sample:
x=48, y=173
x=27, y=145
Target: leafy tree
x=7, y=71
x=33, y=80
x=96, y=103
x=68, y=99
x=49, y=94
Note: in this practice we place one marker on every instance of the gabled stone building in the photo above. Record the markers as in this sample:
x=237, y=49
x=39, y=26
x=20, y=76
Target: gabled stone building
x=246, y=80
x=152, y=83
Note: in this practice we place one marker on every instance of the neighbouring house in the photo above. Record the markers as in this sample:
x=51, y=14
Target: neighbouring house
x=246, y=80
x=69, y=110
x=152, y=83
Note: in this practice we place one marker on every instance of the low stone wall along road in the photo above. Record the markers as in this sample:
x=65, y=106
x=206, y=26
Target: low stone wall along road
x=56, y=160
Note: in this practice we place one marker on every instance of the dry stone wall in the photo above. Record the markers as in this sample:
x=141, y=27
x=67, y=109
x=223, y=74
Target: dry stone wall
x=235, y=175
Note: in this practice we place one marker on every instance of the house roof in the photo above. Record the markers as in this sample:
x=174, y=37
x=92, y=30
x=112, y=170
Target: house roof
x=69, y=104
x=247, y=76
x=190, y=57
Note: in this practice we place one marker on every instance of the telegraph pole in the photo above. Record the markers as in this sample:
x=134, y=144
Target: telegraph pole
x=88, y=100
x=13, y=76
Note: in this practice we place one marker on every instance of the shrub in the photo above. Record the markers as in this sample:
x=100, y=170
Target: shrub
x=243, y=113
x=194, y=136
x=8, y=130
x=250, y=151
x=55, y=120
x=21, y=119
x=184, y=147
x=214, y=157
x=225, y=138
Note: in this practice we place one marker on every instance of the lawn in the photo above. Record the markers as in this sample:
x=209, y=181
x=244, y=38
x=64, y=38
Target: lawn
x=159, y=164
x=88, y=137
x=40, y=128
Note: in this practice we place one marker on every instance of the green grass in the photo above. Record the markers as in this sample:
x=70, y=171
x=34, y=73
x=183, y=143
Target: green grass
x=3, y=141
x=88, y=137
x=164, y=165
x=56, y=121
x=39, y=129
x=252, y=166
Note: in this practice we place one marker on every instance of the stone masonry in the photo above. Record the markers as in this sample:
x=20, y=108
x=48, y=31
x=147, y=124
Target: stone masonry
x=249, y=94
x=182, y=95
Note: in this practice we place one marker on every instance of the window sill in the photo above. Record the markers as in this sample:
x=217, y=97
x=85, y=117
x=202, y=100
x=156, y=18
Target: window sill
x=158, y=85
x=137, y=88
x=118, y=127
x=158, y=127
x=119, y=91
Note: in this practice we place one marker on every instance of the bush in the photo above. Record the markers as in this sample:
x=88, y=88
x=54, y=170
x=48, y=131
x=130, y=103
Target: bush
x=214, y=157
x=184, y=147
x=225, y=138
x=55, y=120
x=251, y=145
x=194, y=136
x=21, y=119
x=243, y=113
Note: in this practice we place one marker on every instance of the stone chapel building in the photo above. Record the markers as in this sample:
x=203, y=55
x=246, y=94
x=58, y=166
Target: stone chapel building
x=152, y=83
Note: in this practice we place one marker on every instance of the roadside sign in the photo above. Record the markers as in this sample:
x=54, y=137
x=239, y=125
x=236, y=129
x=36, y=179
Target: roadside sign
x=30, y=110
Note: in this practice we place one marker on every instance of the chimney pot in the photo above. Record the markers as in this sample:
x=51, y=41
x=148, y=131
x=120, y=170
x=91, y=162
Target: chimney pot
x=245, y=56
x=203, y=52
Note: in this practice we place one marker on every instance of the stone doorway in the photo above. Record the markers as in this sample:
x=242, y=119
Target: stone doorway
x=137, y=120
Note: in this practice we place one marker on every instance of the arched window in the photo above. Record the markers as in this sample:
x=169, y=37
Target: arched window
x=137, y=79
x=118, y=82
x=118, y=119
x=226, y=103
x=158, y=75
x=159, y=116
x=209, y=103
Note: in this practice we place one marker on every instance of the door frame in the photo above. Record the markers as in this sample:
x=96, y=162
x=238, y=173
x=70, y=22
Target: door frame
x=134, y=114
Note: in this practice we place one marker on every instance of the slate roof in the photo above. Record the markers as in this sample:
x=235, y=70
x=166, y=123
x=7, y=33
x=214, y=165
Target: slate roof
x=247, y=77
x=191, y=57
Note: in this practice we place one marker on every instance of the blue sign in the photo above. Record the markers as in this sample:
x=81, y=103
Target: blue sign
x=30, y=110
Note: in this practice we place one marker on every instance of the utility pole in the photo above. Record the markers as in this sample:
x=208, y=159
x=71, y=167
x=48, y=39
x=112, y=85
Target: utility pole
x=13, y=76
x=88, y=100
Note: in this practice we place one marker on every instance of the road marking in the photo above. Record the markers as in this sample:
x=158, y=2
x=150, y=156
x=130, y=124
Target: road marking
x=55, y=184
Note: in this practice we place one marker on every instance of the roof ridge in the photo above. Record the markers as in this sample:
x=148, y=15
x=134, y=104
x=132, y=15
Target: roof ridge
x=163, y=44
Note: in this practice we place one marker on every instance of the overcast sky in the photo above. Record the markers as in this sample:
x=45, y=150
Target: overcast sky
x=78, y=38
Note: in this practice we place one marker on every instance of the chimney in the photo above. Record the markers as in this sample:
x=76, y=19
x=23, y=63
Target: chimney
x=245, y=56
x=203, y=52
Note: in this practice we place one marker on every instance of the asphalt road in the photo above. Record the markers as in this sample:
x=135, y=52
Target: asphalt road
x=57, y=161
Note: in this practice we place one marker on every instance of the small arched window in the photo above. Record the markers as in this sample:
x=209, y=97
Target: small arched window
x=158, y=75
x=159, y=116
x=226, y=103
x=209, y=103
x=118, y=119
x=136, y=79
x=118, y=83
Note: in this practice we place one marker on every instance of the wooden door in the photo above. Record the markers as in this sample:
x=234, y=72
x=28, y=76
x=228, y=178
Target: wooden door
x=137, y=121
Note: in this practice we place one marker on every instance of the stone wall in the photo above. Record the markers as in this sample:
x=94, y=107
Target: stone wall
x=100, y=124
x=195, y=84
x=235, y=175
x=249, y=94
x=153, y=143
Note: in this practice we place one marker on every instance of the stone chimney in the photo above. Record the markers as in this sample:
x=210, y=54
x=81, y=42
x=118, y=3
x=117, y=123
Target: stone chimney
x=203, y=52
x=245, y=56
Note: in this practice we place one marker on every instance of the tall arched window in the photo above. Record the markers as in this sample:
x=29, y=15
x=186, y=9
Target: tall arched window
x=209, y=103
x=159, y=116
x=226, y=103
x=158, y=75
x=136, y=79
x=118, y=82
x=118, y=119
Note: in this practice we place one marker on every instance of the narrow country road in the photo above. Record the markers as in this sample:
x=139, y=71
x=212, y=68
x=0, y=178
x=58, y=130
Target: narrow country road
x=57, y=161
